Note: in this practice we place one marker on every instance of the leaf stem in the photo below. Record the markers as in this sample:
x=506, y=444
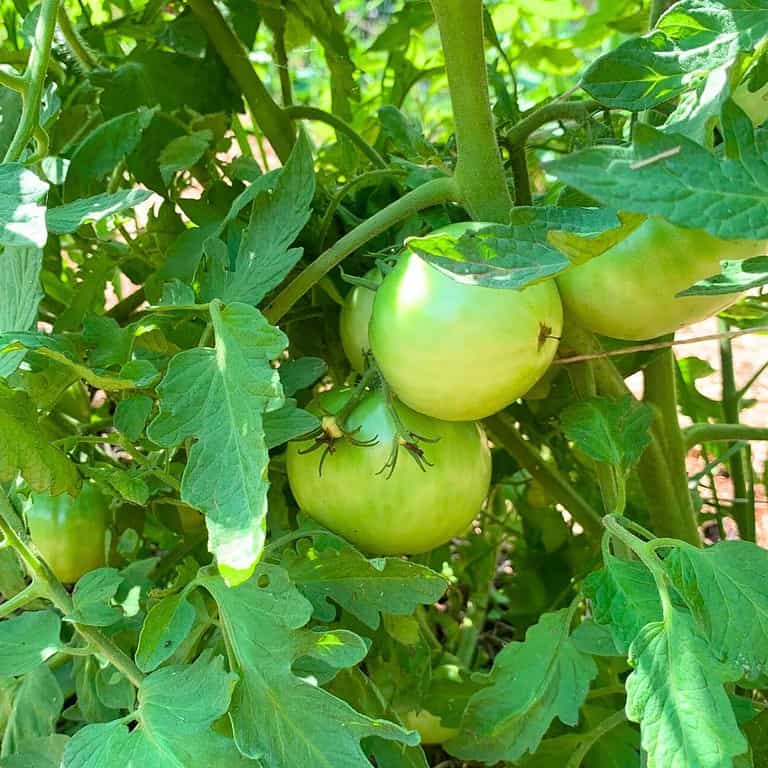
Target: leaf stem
x=697, y=434
x=52, y=589
x=301, y=112
x=434, y=192
x=518, y=133
x=74, y=42
x=503, y=431
x=270, y=117
x=34, y=76
x=479, y=170
x=13, y=81
x=27, y=595
x=593, y=736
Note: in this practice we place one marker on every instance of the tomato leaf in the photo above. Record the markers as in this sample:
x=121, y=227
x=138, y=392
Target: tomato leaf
x=20, y=296
x=288, y=423
x=736, y=276
x=165, y=627
x=262, y=624
x=68, y=218
x=725, y=588
x=27, y=641
x=216, y=397
x=363, y=587
x=177, y=708
x=676, y=693
x=22, y=220
x=131, y=415
x=624, y=597
x=531, y=684
x=611, y=431
x=672, y=176
x=26, y=448
x=693, y=38
x=92, y=598
x=280, y=211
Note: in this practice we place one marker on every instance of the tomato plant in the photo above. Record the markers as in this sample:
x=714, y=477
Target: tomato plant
x=421, y=482
x=349, y=410
x=70, y=532
x=429, y=334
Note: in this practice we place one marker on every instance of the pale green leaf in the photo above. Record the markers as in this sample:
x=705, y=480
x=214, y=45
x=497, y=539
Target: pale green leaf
x=68, y=218
x=726, y=588
x=27, y=641
x=363, y=587
x=676, y=693
x=531, y=684
x=26, y=448
x=20, y=296
x=22, y=219
x=216, y=397
x=276, y=716
x=93, y=596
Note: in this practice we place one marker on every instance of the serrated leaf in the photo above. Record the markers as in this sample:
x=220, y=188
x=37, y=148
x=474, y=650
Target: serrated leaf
x=624, y=597
x=672, y=176
x=165, y=627
x=27, y=641
x=726, y=589
x=271, y=708
x=131, y=415
x=26, y=448
x=676, y=693
x=101, y=151
x=736, y=276
x=278, y=215
x=70, y=217
x=108, y=344
x=693, y=38
x=183, y=152
x=22, y=220
x=615, y=432
x=92, y=598
x=216, y=397
x=177, y=708
x=365, y=588
x=580, y=248
x=531, y=684
x=20, y=296
x=288, y=423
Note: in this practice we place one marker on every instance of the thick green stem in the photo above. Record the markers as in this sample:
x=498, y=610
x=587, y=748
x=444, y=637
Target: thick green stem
x=742, y=510
x=432, y=193
x=661, y=392
x=51, y=588
x=698, y=434
x=300, y=112
x=479, y=170
x=503, y=431
x=276, y=125
x=34, y=75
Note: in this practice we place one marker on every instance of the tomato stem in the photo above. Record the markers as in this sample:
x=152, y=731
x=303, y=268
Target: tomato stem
x=705, y=432
x=434, y=192
x=479, y=170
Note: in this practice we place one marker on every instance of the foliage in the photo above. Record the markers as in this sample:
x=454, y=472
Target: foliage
x=186, y=192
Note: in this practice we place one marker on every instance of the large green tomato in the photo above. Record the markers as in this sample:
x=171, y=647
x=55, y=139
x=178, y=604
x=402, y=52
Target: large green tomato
x=629, y=292
x=69, y=532
x=411, y=511
x=354, y=319
x=457, y=351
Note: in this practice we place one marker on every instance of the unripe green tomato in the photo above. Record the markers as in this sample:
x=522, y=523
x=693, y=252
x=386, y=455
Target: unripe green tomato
x=461, y=352
x=411, y=511
x=754, y=103
x=536, y=496
x=354, y=319
x=69, y=532
x=629, y=292
x=429, y=726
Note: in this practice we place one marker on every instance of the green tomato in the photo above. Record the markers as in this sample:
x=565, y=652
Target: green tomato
x=429, y=726
x=411, y=511
x=629, y=292
x=461, y=352
x=354, y=319
x=69, y=532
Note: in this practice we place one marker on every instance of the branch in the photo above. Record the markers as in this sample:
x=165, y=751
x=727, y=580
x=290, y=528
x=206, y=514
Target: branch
x=432, y=193
x=504, y=432
x=697, y=434
x=300, y=112
x=79, y=49
x=266, y=112
x=12, y=80
x=549, y=113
